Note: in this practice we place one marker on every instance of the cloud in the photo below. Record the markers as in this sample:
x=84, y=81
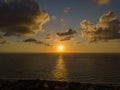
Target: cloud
x=43, y=43
x=61, y=20
x=67, y=9
x=53, y=18
x=102, y=2
x=21, y=17
x=107, y=28
x=49, y=34
x=79, y=42
x=68, y=32
x=1, y=37
x=32, y=40
x=47, y=37
x=67, y=38
x=3, y=42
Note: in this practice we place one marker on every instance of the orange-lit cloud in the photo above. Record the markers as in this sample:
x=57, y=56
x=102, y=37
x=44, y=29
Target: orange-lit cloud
x=102, y=2
x=107, y=28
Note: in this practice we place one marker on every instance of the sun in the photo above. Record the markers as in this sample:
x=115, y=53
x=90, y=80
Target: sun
x=60, y=48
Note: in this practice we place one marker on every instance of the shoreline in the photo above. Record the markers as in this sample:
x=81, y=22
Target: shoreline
x=53, y=85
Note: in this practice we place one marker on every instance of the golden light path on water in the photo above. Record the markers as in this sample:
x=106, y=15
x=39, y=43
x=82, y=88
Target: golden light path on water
x=60, y=71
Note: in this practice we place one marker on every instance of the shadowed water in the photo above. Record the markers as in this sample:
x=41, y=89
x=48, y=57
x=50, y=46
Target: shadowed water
x=61, y=67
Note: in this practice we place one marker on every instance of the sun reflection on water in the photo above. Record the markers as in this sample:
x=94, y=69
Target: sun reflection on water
x=60, y=72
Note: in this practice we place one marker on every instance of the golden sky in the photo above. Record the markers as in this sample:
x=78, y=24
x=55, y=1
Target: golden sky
x=36, y=26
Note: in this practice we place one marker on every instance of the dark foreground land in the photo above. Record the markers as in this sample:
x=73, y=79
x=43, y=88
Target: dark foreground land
x=53, y=85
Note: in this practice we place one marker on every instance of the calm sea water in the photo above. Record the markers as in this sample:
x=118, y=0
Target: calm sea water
x=61, y=67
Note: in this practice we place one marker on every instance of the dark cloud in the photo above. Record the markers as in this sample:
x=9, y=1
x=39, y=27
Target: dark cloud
x=50, y=34
x=32, y=40
x=43, y=43
x=107, y=28
x=21, y=17
x=1, y=36
x=79, y=42
x=67, y=38
x=3, y=42
x=47, y=38
x=68, y=32
x=7, y=34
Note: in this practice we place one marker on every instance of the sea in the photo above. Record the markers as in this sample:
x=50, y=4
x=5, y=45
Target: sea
x=73, y=67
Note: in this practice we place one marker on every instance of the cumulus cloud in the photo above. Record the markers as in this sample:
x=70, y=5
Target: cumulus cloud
x=107, y=28
x=67, y=9
x=102, y=2
x=68, y=32
x=21, y=17
x=32, y=40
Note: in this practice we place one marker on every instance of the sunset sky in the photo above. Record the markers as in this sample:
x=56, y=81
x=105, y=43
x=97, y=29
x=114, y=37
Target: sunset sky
x=35, y=26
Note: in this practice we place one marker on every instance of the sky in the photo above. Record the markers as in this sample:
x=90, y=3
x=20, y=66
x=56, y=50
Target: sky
x=39, y=26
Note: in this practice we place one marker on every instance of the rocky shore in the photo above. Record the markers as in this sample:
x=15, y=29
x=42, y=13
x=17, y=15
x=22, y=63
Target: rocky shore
x=53, y=85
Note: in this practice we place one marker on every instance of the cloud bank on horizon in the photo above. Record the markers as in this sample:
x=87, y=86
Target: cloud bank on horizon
x=21, y=17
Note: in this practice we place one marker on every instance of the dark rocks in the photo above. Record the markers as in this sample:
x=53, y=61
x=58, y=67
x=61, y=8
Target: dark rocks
x=53, y=85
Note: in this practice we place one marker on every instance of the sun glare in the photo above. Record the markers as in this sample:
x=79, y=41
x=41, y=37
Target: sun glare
x=60, y=48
